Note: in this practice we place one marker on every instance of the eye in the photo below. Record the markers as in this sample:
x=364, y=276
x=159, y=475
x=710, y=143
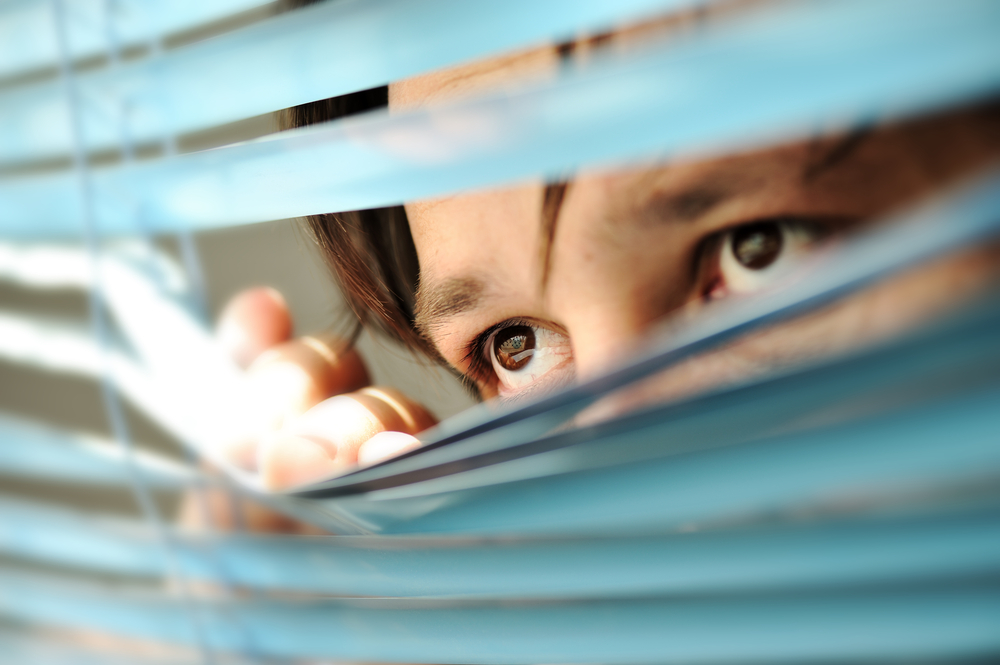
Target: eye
x=523, y=354
x=753, y=256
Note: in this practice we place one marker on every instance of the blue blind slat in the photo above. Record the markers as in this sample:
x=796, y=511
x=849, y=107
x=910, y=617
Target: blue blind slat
x=27, y=39
x=892, y=455
x=871, y=538
x=953, y=545
x=34, y=451
x=322, y=51
x=742, y=415
x=952, y=621
x=42, y=648
x=677, y=99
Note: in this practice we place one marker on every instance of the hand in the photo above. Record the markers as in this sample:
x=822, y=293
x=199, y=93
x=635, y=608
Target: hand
x=315, y=414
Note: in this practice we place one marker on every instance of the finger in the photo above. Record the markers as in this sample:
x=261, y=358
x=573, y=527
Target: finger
x=384, y=445
x=252, y=322
x=291, y=378
x=285, y=382
x=326, y=441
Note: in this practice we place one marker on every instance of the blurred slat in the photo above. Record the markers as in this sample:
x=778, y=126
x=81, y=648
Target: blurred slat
x=69, y=266
x=32, y=450
x=27, y=37
x=897, y=457
x=913, y=373
x=950, y=544
x=904, y=57
x=934, y=622
x=322, y=51
x=42, y=649
x=666, y=537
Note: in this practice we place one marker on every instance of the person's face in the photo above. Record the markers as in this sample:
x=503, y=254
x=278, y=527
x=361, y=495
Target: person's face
x=519, y=312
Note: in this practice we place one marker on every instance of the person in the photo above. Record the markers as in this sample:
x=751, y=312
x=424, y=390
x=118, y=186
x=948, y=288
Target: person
x=524, y=289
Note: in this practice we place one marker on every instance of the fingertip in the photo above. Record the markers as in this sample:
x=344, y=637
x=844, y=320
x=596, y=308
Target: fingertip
x=337, y=434
x=396, y=411
x=384, y=445
x=286, y=461
x=252, y=322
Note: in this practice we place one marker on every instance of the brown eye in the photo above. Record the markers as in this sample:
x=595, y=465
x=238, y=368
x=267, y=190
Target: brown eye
x=514, y=347
x=758, y=255
x=756, y=246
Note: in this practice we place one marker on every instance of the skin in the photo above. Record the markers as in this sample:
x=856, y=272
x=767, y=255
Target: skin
x=629, y=249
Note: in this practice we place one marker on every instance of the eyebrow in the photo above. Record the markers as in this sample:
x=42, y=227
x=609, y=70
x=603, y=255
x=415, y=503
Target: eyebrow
x=552, y=201
x=837, y=153
x=694, y=203
x=683, y=207
x=451, y=297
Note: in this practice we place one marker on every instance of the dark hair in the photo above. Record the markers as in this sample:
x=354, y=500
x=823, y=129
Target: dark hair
x=369, y=252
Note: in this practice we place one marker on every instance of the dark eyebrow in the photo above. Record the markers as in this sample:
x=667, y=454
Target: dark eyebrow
x=552, y=201
x=440, y=301
x=691, y=204
x=837, y=153
x=686, y=206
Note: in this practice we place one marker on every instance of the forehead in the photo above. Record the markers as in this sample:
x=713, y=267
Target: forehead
x=486, y=234
x=480, y=241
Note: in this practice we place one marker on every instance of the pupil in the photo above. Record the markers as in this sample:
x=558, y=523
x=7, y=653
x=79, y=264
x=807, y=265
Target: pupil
x=756, y=246
x=514, y=347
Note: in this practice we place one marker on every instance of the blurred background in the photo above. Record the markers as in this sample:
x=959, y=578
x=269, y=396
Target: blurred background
x=278, y=254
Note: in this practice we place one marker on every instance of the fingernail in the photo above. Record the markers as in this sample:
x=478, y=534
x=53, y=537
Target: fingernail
x=385, y=445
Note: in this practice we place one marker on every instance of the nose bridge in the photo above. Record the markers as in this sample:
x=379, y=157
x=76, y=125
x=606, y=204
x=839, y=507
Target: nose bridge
x=610, y=279
x=606, y=295
x=604, y=329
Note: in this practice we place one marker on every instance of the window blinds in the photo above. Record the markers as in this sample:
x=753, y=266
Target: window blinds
x=689, y=532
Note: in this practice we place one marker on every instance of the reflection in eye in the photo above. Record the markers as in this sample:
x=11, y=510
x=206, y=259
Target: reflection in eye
x=753, y=256
x=514, y=347
x=522, y=354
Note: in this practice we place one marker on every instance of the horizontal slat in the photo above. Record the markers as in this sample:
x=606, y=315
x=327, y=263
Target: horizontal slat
x=920, y=623
x=789, y=72
x=811, y=556
x=917, y=372
x=51, y=345
x=28, y=648
x=27, y=27
x=34, y=451
x=859, y=466
x=44, y=266
x=318, y=52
